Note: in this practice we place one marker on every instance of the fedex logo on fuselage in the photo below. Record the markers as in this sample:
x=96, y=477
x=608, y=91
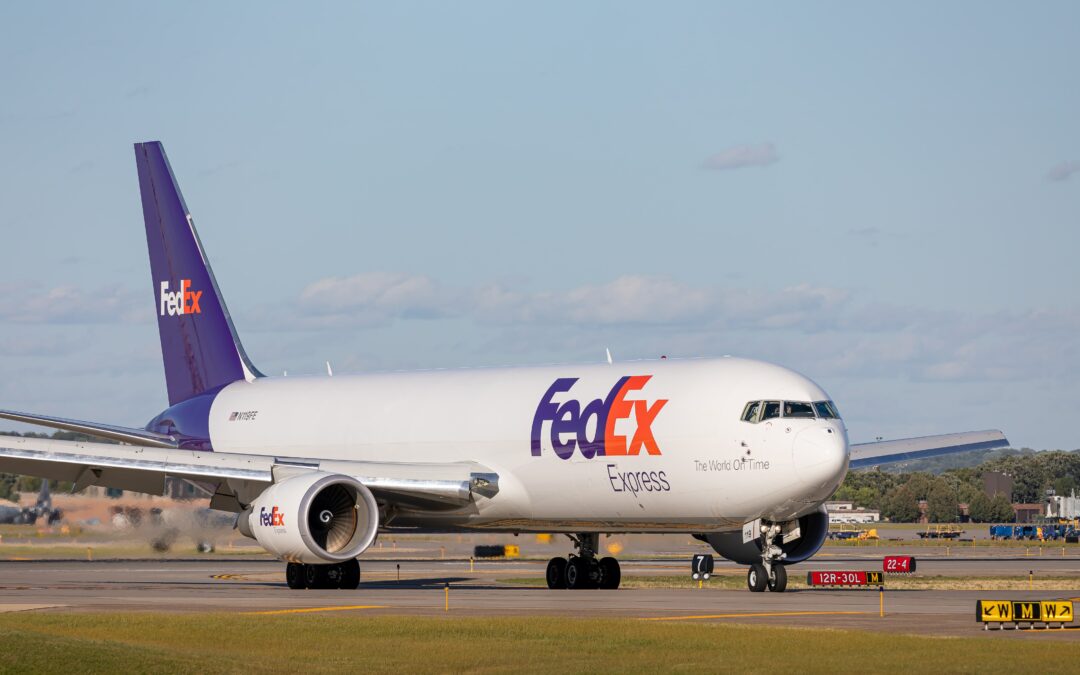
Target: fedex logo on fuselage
x=570, y=421
x=275, y=517
x=184, y=301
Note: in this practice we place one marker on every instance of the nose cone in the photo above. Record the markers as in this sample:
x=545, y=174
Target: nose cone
x=820, y=456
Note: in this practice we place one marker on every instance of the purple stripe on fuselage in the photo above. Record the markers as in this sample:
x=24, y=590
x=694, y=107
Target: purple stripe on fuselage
x=188, y=421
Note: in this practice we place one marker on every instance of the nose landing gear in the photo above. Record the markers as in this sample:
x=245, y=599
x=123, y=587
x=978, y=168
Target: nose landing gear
x=774, y=579
x=770, y=572
x=583, y=570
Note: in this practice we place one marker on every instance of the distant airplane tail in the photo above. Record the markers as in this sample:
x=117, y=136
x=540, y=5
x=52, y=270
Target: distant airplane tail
x=199, y=344
x=44, y=508
x=44, y=500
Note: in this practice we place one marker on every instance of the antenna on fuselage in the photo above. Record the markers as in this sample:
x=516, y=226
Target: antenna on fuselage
x=608, y=351
x=329, y=370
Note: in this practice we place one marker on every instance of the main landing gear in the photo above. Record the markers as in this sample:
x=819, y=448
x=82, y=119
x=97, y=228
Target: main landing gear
x=583, y=570
x=770, y=572
x=344, y=575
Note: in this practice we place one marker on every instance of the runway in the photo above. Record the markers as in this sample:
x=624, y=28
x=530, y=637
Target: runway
x=257, y=586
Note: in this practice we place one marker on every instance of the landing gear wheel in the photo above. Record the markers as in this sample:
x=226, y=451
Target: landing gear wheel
x=334, y=575
x=350, y=575
x=579, y=573
x=294, y=576
x=315, y=576
x=556, y=573
x=610, y=573
x=756, y=578
x=778, y=580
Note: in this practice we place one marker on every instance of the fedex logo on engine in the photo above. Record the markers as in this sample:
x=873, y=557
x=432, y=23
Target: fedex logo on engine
x=183, y=301
x=275, y=517
x=571, y=422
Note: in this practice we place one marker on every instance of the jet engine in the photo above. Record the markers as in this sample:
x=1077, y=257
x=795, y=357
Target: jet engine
x=813, y=528
x=315, y=518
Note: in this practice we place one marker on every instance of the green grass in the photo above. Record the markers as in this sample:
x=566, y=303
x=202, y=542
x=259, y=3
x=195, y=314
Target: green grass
x=798, y=581
x=219, y=643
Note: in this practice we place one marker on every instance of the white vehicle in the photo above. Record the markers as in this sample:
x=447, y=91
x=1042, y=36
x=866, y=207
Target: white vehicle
x=742, y=454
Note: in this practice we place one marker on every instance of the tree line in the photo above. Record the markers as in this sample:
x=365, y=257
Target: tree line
x=897, y=495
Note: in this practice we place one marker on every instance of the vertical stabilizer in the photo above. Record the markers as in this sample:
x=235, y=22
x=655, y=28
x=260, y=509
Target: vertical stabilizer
x=199, y=344
x=44, y=500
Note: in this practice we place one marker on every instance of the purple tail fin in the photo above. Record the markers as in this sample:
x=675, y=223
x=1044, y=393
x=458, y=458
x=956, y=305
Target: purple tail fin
x=198, y=341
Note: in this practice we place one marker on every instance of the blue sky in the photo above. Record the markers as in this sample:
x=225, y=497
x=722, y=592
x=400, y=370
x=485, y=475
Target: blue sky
x=883, y=197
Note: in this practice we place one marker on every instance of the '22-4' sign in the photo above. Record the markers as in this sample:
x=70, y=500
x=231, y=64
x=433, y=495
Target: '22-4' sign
x=569, y=421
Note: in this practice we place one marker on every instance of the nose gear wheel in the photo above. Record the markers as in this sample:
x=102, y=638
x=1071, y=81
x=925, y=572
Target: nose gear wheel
x=770, y=573
x=778, y=579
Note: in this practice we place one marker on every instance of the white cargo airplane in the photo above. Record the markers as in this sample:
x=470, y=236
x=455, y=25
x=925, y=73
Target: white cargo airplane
x=741, y=454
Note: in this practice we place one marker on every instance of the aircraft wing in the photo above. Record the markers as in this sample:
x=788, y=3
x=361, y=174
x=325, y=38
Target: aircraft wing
x=144, y=469
x=887, y=452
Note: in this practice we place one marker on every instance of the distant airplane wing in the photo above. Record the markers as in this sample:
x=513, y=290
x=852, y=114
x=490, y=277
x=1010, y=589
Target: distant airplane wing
x=887, y=452
x=424, y=486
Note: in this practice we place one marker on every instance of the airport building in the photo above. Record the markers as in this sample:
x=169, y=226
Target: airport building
x=1028, y=513
x=995, y=483
x=847, y=512
x=1059, y=506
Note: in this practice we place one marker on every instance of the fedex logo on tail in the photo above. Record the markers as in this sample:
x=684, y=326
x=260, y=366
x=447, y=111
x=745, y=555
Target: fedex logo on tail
x=183, y=301
x=570, y=421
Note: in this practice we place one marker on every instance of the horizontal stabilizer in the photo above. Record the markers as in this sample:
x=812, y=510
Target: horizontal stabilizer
x=95, y=429
x=906, y=449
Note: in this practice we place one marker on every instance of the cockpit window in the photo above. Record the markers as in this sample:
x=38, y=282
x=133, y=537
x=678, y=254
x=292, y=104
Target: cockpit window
x=759, y=411
x=798, y=409
x=771, y=410
x=826, y=410
x=750, y=412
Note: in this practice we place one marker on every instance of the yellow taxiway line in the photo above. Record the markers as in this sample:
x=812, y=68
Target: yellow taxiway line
x=745, y=615
x=308, y=610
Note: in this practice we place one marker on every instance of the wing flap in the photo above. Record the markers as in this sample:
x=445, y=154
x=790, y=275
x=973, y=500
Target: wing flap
x=906, y=449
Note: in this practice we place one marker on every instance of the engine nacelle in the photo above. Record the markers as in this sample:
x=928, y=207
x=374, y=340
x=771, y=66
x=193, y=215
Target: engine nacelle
x=314, y=518
x=813, y=527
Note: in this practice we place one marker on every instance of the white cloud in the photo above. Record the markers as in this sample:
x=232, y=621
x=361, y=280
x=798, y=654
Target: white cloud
x=806, y=326
x=374, y=298
x=1062, y=171
x=32, y=304
x=742, y=156
x=626, y=300
x=946, y=359
x=37, y=345
x=378, y=298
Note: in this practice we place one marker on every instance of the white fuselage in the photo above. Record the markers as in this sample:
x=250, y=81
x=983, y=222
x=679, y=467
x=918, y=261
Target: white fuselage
x=689, y=463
